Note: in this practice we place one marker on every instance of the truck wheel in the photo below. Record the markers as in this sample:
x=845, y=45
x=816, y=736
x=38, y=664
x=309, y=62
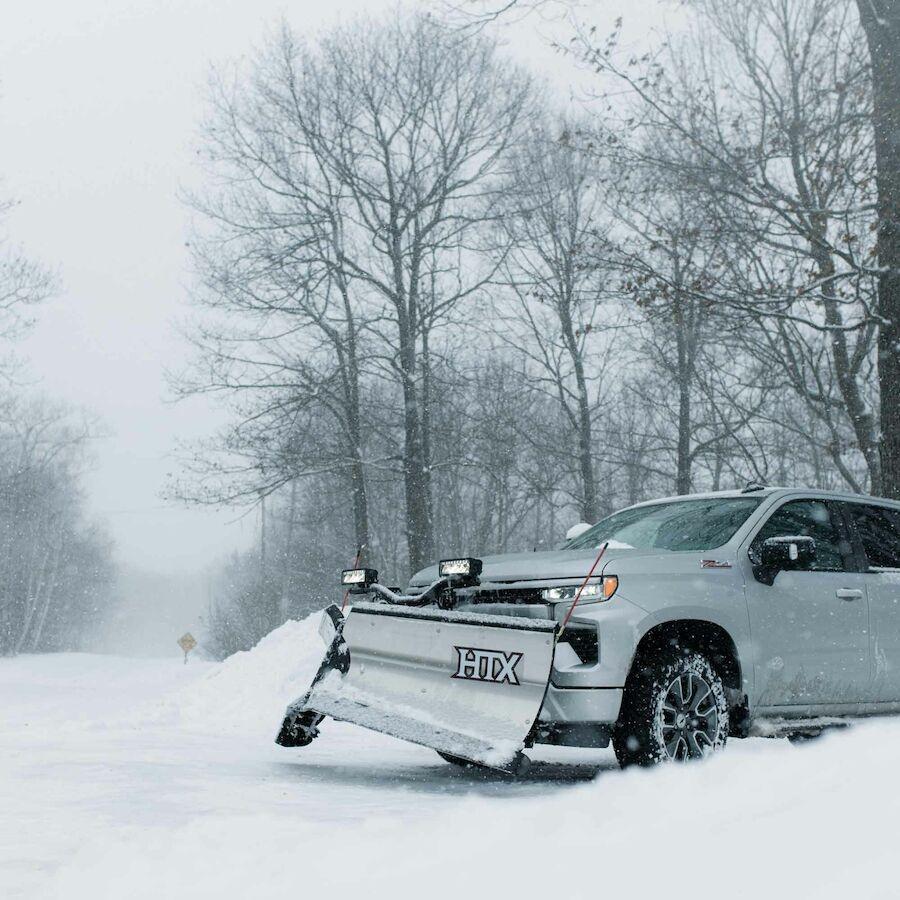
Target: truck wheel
x=674, y=709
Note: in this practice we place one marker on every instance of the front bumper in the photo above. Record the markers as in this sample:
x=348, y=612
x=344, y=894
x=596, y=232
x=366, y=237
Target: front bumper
x=578, y=717
x=600, y=705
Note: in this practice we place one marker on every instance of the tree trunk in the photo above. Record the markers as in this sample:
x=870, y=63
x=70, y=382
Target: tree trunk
x=48, y=584
x=881, y=22
x=683, y=448
x=262, y=537
x=360, y=508
x=425, y=426
x=860, y=416
x=589, y=511
x=36, y=578
x=419, y=538
x=287, y=557
x=347, y=347
x=357, y=469
x=416, y=477
x=685, y=362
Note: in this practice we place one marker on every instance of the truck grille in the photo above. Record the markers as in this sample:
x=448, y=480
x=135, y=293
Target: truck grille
x=513, y=595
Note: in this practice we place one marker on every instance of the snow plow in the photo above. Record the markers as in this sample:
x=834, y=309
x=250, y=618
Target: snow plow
x=470, y=685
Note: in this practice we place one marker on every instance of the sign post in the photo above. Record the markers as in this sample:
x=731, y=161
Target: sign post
x=187, y=642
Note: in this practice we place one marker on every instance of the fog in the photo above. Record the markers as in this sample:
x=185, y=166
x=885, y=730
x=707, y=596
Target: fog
x=100, y=105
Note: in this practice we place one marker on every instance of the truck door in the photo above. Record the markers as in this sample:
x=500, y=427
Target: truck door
x=877, y=531
x=810, y=628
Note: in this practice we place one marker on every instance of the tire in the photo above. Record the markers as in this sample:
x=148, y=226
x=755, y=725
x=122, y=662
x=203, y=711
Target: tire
x=674, y=710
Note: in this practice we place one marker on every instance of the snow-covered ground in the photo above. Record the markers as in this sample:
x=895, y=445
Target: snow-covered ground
x=150, y=779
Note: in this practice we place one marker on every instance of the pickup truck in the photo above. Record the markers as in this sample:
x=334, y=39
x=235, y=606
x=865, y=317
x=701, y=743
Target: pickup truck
x=763, y=610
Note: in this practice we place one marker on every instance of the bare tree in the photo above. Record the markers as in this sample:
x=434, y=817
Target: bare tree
x=56, y=568
x=763, y=113
x=380, y=151
x=24, y=283
x=560, y=313
x=55, y=565
x=285, y=340
x=701, y=390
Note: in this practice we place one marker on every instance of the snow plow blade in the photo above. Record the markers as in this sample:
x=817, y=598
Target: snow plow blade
x=467, y=685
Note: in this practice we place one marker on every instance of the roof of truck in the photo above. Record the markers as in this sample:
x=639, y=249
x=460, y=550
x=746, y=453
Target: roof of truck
x=767, y=491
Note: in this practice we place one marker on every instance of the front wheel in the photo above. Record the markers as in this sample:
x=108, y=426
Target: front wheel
x=674, y=709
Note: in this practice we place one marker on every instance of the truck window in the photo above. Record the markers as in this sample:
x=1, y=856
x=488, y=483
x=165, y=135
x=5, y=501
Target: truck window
x=808, y=518
x=697, y=524
x=878, y=528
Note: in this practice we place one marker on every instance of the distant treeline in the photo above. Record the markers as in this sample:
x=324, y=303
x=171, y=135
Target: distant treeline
x=56, y=569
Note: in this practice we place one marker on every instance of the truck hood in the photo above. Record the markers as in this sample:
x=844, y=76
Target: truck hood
x=543, y=566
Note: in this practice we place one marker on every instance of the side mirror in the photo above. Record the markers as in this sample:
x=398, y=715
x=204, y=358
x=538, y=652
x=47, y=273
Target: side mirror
x=779, y=554
x=577, y=530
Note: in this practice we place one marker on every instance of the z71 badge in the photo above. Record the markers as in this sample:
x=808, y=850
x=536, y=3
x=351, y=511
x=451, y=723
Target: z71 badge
x=475, y=664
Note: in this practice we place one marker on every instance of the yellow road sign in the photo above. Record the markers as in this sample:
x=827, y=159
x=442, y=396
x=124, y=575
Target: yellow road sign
x=187, y=642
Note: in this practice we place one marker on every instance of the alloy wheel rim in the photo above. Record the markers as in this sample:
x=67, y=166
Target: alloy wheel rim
x=690, y=718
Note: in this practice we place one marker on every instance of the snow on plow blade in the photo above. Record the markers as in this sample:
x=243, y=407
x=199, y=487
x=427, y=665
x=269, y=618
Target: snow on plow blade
x=467, y=685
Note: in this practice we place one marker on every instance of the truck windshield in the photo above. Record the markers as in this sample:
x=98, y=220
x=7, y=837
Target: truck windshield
x=676, y=525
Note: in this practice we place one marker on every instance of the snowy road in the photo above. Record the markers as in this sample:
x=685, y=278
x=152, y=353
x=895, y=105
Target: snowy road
x=149, y=779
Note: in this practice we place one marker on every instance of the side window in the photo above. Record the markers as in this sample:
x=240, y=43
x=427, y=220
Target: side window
x=808, y=518
x=878, y=528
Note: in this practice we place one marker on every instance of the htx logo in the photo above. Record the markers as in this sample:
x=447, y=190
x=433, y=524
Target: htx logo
x=476, y=664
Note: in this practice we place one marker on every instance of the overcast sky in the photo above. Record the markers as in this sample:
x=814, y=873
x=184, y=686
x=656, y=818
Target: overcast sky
x=99, y=105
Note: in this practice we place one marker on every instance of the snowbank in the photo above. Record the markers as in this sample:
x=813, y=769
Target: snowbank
x=249, y=691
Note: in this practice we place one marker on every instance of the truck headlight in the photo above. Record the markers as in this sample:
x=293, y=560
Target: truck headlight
x=595, y=591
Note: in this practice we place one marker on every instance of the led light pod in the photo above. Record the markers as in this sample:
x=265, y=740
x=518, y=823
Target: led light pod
x=358, y=580
x=464, y=567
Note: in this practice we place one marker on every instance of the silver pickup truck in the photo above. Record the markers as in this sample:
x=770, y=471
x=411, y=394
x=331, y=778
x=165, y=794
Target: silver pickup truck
x=707, y=616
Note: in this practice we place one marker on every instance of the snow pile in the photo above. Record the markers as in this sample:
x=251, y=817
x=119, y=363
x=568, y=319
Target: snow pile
x=249, y=691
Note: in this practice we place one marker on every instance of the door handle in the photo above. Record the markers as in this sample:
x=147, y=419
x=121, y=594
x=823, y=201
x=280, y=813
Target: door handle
x=848, y=594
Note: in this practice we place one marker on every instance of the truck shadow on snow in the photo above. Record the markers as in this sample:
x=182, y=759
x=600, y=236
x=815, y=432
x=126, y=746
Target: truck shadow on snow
x=446, y=778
